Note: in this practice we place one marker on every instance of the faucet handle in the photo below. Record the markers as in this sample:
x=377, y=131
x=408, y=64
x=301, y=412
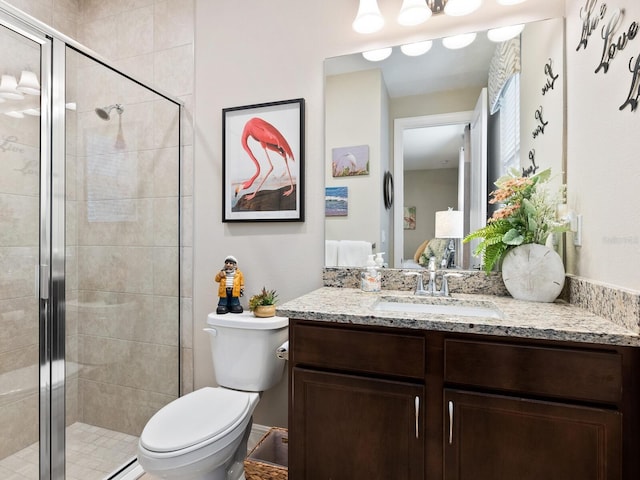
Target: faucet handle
x=444, y=288
x=419, y=284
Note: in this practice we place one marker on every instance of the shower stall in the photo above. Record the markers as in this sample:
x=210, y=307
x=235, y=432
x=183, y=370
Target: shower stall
x=89, y=256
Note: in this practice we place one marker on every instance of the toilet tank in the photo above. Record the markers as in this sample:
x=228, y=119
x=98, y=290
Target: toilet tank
x=243, y=348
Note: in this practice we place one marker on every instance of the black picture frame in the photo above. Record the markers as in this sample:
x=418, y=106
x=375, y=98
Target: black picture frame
x=263, y=162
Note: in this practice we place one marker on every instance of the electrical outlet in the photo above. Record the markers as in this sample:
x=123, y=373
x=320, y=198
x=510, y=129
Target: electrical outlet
x=577, y=231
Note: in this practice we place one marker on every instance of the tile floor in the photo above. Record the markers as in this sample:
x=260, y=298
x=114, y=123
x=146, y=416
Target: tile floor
x=92, y=454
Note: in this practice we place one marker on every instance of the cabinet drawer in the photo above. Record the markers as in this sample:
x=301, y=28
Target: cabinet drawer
x=348, y=349
x=557, y=372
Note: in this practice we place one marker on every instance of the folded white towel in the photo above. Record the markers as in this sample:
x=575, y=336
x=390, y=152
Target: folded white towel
x=331, y=253
x=353, y=253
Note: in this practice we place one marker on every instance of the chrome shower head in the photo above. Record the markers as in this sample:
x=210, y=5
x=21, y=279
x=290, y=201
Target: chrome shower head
x=104, y=112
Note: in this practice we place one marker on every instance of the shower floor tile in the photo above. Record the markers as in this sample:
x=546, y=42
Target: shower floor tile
x=92, y=454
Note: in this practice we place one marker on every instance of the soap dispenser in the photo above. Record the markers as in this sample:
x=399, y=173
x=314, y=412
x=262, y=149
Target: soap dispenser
x=371, y=277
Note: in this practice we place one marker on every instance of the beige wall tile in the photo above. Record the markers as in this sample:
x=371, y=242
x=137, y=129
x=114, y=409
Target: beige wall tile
x=121, y=269
x=103, y=405
x=17, y=265
x=165, y=273
x=20, y=217
x=173, y=70
x=134, y=32
x=143, y=366
x=173, y=21
x=18, y=324
x=19, y=422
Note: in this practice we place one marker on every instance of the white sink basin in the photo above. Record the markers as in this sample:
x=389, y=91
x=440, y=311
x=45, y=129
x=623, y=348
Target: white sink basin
x=439, y=306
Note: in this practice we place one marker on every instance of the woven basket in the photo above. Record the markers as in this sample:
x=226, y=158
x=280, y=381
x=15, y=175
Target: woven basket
x=269, y=459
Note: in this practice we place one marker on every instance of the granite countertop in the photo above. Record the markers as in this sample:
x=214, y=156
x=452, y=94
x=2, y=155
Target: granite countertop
x=550, y=321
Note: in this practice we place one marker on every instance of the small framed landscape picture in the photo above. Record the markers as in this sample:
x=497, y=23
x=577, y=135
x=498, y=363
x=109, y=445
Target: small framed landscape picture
x=350, y=161
x=336, y=201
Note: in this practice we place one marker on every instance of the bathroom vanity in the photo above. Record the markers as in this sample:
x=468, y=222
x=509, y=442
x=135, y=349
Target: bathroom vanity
x=539, y=391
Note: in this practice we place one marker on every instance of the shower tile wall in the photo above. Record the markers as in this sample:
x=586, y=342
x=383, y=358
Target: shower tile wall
x=153, y=41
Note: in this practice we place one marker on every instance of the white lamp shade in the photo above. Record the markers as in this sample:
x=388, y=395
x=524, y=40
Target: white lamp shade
x=8, y=89
x=377, y=55
x=417, y=48
x=413, y=12
x=29, y=83
x=503, y=34
x=458, y=8
x=449, y=224
x=459, y=41
x=369, y=19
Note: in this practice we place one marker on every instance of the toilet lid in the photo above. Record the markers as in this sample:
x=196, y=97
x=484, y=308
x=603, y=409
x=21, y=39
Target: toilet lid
x=194, y=418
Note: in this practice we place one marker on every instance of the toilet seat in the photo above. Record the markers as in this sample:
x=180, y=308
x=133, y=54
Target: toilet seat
x=202, y=416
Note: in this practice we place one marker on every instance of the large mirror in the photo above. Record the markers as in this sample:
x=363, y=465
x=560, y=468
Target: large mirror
x=435, y=130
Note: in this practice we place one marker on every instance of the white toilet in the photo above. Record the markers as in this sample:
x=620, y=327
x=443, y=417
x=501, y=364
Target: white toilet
x=203, y=435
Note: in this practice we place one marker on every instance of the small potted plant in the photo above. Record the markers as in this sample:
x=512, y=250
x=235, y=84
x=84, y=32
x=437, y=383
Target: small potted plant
x=263, y=304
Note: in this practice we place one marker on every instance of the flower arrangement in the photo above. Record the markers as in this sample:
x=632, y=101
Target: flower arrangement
x=527, y=215
x=265, y=297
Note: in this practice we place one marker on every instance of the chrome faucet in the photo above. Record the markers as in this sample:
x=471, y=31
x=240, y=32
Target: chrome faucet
x=431, y=287
x=419, y=285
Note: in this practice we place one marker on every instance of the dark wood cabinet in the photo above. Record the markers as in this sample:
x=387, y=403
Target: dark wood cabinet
x=350, y=427
x=380, y=403
x=490, y=437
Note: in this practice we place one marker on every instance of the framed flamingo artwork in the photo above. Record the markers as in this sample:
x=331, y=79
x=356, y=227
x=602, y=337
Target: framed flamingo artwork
x=263, y=162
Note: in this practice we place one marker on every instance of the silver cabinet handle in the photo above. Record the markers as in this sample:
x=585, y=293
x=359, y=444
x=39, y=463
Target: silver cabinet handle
x=450, y=422
x=417, y=403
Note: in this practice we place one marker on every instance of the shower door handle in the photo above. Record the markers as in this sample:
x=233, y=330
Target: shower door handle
x=42, y=281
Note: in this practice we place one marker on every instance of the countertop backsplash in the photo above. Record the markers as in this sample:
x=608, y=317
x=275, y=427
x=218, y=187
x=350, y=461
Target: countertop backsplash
x=622, y=307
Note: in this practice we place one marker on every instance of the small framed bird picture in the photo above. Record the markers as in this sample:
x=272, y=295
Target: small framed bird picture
x=263, y=162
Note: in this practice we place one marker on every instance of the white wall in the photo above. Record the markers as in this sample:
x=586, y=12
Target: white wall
x=250, y=51
x=603, y=168
x=354, y=117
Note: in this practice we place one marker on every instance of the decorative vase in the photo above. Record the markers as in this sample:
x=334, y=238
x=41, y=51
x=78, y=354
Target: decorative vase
x=265, y=311
x=533, y=272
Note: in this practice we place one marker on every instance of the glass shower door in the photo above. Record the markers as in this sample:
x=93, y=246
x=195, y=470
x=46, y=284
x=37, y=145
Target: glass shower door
x=19, y=255
x=121, y=263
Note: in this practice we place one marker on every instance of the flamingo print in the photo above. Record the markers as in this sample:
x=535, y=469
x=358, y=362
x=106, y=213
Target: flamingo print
x=270, y=139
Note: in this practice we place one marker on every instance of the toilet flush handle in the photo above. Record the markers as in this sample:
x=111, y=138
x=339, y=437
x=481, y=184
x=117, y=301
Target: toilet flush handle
x=212, y=331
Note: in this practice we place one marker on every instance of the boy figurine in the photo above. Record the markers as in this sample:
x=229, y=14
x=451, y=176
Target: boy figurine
x=231, y=287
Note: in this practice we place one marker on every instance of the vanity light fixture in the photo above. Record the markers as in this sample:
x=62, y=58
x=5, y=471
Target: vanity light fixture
x=417, y=48
x=369, y=19
x=503, y=34
x=377, y=55
x=456, y=42
x=414, y=12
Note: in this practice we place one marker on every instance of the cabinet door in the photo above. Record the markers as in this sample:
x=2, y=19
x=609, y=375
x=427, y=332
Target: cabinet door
x=490, y=437
x=348, y=427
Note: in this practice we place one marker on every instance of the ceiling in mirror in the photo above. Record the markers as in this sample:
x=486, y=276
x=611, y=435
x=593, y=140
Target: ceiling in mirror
x=438, y=69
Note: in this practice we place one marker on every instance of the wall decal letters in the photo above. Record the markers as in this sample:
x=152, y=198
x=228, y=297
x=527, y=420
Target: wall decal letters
x=551, y=78
x=635, y=85
x=540, y=128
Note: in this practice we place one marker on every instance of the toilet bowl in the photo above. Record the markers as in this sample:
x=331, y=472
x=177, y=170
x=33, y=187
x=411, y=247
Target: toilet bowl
x=197, y=436
x=203, y=435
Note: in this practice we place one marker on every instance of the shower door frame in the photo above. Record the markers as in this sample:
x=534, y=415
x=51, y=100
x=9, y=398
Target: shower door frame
x=50, y=274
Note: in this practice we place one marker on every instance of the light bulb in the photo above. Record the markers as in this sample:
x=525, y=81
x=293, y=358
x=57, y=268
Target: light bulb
x=369, y=19
x=377, y=55
x=503, y=34
x=417, y=48
x=458, y=8
x=459, y=41
x=413, y=12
